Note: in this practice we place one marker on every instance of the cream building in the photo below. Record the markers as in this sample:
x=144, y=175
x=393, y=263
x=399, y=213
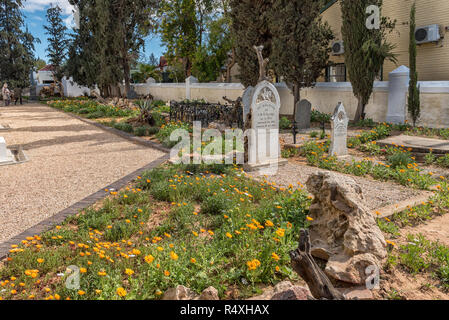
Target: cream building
x=433, y=57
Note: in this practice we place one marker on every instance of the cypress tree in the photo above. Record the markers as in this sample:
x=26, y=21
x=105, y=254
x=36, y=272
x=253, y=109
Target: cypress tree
x=57, y=40
x=250, y=27
x=413, y=95
x=300, y=43
x=365, y=49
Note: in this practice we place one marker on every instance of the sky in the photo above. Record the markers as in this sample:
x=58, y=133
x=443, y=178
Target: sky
x=35, y=10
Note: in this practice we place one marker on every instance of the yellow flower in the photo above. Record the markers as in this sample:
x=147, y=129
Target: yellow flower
x=160, y=249
x=81, y=292
x=277, y=269
x=121, y=292
x=275, y=257
x=229, y=235
x=83, y=270
x=149, y=259
x=268, y=223
x=280, y=232
x=173, y=256
x=253, y=264
x=193, y=260
x=166, y=273
x=309, y=218
x=40, y=260
x=129, y=272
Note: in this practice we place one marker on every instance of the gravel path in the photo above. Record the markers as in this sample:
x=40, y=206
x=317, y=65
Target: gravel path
x=377, y=194
x=68, y=160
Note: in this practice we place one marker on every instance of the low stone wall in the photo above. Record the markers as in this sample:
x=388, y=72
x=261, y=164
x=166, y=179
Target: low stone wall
x=324, y=97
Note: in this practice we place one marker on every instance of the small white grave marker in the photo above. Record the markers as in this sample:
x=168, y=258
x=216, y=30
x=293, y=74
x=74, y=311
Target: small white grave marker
x=339, y=136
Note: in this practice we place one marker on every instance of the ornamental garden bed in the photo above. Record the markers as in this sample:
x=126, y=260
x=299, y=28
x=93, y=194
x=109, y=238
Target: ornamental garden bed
x=198, y=227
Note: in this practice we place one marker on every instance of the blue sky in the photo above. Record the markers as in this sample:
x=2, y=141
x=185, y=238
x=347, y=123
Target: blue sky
x=34, y=12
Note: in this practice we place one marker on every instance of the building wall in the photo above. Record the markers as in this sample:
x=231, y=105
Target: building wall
x=324, y=97
x=432, y=59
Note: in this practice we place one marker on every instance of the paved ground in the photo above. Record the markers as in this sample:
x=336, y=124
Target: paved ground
x=69, y=160
x=418, y=144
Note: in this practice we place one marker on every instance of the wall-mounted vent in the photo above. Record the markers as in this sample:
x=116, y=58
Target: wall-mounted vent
x=427, y=34
x=338, y=48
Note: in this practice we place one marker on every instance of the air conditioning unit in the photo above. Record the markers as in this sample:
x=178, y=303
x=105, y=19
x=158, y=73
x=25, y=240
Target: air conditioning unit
x=338, y=48
x=427, y=34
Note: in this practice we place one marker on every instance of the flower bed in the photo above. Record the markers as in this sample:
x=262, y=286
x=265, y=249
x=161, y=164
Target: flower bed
x=212, y=222
x=90, y=109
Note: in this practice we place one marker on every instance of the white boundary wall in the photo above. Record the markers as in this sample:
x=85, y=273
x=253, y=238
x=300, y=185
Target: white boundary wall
x=324, y=97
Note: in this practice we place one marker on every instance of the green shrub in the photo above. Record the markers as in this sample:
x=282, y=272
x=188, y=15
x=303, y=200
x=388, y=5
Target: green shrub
x=400, y=159
x=140, y=131
x=123, y=126
x=317, y=116
x=284, y=123
x=215, y=205
x=96, y=115
x=314, y=134
x=153, y=130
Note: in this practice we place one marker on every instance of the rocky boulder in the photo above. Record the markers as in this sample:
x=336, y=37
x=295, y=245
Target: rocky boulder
x=343, y=231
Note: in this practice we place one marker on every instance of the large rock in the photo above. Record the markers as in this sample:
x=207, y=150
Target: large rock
x=209, y=294
x=343, y=231
x=184, y=293
x=285, y=290
x=179, y=293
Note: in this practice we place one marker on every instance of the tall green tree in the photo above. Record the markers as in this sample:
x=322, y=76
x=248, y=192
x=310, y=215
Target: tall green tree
x=179, y=31
x=110, y=35
x=16, y=45
x=57, y=40
x=414, y=105
x=366, y=49
x=250, y=26
x=214, y=54
x=300, y=43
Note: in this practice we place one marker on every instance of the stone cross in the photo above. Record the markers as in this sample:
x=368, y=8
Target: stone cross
x=339, y=136
x=262, y=63
x=302, y=114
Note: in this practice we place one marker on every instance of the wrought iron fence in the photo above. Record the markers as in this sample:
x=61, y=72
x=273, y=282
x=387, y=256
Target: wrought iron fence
x=189, y=111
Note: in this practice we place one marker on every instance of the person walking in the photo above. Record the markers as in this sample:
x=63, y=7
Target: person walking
x=6, y=95
x=18, y=95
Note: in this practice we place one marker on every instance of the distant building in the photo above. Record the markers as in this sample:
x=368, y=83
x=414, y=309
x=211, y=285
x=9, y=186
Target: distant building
x=432, y=35
x=45, y=75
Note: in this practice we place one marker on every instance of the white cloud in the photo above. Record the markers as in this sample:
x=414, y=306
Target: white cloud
x=39, y=5
x=31, y=6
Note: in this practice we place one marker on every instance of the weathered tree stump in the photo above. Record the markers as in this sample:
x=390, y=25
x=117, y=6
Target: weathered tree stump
x=304, y=264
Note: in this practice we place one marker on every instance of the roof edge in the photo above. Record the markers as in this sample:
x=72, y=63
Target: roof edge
x=328, y=5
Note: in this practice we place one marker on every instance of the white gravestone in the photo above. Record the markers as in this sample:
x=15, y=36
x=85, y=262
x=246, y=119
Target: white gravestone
x=264, y=148
x=339, y=136
x=397, y=95
x=5, y=155
x=247, y=100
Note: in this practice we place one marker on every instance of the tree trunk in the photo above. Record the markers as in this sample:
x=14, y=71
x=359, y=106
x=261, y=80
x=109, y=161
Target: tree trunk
x=304, y=264
x=297, y=97
x=188, y=68
x=126, y=72
x=230, y=66
x=360, y=113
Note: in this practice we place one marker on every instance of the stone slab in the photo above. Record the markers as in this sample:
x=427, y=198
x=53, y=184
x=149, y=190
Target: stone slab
x=417, y=144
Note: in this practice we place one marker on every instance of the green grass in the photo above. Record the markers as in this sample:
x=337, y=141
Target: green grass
x=215, y=221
